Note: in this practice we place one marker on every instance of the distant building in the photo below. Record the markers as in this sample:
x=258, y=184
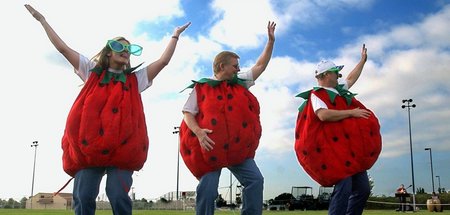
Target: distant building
x=62, y=201
x=182, y=195
x=186, y=201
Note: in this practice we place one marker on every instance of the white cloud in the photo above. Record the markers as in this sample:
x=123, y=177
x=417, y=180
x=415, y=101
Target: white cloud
x=237, y=27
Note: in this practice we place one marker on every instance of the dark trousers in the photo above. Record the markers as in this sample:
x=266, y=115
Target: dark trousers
x=86, y=189
x=350, y=195
x=402, y=205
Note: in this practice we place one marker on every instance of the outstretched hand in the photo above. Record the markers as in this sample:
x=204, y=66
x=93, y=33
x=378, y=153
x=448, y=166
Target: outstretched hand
x=180, y=29
x=38, y=16
x=271, y=30
x=364, y=53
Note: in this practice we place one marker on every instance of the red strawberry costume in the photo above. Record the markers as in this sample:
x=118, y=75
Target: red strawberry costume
x=106, y=124
x=332, y=151
x=236, y=126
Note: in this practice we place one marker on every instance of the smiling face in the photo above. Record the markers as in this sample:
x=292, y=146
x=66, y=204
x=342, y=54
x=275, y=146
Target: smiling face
x=328, y=79
x=119, y=60
x=226, y=65
x=228, y=69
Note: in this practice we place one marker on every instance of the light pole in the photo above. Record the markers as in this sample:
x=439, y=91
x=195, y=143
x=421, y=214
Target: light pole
x=431, y=164
x=176, y=131
x=409, y=106
x=35, y=145
x=439, y=183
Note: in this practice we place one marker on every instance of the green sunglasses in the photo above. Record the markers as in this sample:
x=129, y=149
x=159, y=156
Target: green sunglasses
x=117, y=46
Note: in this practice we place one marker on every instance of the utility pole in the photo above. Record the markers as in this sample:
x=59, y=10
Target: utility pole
x=177, y=131
x=35, y=145
x=409, y=106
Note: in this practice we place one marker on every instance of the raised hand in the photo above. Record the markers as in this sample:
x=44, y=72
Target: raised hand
x=271, y=30
x=180, y=29
x=38, y=16
x=364, y=53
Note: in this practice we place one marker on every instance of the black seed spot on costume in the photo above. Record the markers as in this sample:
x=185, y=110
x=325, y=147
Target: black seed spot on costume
x=230, y=96
x=305, y=152
x=188, y=152
x=84, y=142
x=324, y=167
x=213, y=122
x=219, y=97
x=237, y=140
x=347, y=136
x=105, y=151
x=353, y=154
x=371, y=133
x=318, y=150
x=244, y=124
x=212, y=158
x=115, y=110
x=226, y=146
x=335, y=139
x=348, y=163
x=124, y=142
x=230, y=108
x=101, y=132
x=372, y=154
x=125, y=88
x=304, y=116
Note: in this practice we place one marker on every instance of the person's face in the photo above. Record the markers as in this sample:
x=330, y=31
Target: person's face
x=118, y=59
x=230, y=69
x=330, y=79
x=335, y=75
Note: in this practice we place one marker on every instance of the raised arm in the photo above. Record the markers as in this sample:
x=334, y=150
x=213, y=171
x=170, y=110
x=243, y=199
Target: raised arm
x=356, y=72
x=154, y=68
x=72, y=56
x=265, y=56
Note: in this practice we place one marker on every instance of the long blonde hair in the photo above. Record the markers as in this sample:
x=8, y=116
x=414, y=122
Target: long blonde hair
x=102, y=59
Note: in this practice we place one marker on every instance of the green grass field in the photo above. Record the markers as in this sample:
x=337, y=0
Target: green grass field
x=218, y=212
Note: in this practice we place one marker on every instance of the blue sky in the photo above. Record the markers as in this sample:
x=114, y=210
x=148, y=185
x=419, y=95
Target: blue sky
x=408, y=57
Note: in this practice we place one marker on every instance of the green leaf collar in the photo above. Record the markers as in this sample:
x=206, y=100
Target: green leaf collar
x=214, y=83
x=122, y=77
x=340, y=88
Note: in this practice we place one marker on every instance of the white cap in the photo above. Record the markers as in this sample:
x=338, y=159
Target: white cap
x=326, y=65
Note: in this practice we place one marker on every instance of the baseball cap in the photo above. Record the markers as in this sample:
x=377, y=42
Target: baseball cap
x=326, y=65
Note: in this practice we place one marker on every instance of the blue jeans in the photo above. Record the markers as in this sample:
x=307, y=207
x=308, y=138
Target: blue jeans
x=86, y=188
x=248, y=174
x=350, y=195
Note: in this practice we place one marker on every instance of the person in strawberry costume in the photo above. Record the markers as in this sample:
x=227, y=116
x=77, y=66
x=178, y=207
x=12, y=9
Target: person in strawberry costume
x=106, y=131
x=337, y=139
x=221, y=128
